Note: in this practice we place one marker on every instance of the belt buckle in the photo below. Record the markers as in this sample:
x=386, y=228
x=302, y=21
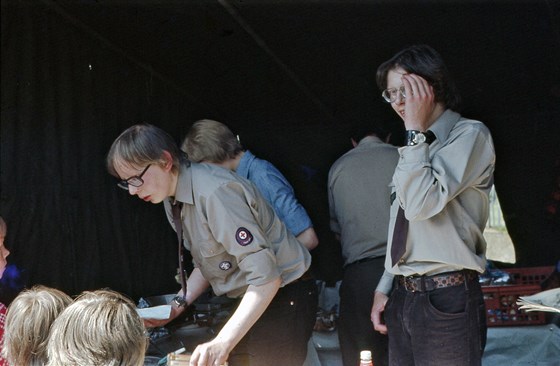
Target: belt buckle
x=409, y=285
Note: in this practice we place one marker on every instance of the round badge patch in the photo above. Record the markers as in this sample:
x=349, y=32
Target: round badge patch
x=225, y=265
x=243, y=236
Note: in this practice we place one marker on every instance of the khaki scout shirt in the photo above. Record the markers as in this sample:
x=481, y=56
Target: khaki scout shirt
x=443, y=189
x=233, y=234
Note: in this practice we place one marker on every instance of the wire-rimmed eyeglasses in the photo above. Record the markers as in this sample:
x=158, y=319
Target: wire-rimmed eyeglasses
x=135, y=181
x=390, y=95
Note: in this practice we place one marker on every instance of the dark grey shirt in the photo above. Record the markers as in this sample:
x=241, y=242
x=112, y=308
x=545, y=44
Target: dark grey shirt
x=359, y=198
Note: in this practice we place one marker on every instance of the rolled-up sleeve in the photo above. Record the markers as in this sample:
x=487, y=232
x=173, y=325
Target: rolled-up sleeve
x=232, y=222
x=424, y=186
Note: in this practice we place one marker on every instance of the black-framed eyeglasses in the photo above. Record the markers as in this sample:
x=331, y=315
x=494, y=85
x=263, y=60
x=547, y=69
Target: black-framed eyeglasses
x=390, y=95
x=135, y=181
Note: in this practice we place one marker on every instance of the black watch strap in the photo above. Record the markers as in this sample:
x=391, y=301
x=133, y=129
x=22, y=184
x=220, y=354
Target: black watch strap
x=415, y=137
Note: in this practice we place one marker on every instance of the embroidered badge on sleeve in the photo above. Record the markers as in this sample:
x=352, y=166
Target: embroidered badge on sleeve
x=243, y=236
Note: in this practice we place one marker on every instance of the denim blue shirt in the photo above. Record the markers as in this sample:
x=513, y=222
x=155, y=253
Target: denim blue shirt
x=277, y=191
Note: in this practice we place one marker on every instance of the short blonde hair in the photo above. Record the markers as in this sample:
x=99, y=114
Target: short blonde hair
x=100, y=328
x=28, y=322
x=210, y=141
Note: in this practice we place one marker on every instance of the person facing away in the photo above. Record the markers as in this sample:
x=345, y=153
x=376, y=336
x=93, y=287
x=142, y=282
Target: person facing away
x=238, y=244
x=4, y=253
x=29, y=320
x=210, y=141
x=359, y=203
x=435, y=314
x=100, y=328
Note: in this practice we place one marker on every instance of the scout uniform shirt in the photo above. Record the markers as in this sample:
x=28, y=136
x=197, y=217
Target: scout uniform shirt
x=233, y=234
x=443, y=188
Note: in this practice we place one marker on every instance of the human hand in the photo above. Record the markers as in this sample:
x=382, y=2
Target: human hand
x=379, y=301
x=213, y=353
x=154, y=323
x=419, y=102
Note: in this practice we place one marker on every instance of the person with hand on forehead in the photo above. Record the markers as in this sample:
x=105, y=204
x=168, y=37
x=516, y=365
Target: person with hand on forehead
x=238, y=244
x=439, y=208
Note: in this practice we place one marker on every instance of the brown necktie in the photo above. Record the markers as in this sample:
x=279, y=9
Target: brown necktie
x=176, y=209
x=400, y=231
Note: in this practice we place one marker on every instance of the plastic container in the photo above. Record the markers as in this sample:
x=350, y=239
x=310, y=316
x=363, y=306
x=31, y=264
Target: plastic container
x=500, y=301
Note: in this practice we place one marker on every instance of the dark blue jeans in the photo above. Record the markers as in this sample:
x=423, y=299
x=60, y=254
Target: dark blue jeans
x=281, y=334
x=445, y=326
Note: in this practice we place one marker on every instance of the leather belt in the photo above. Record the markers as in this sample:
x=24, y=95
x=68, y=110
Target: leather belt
x=441, y=280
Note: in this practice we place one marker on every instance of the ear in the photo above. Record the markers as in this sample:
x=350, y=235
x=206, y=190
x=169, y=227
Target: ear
x=167, y=160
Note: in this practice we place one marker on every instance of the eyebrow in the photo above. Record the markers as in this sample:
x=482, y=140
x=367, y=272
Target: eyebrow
x=135, y=175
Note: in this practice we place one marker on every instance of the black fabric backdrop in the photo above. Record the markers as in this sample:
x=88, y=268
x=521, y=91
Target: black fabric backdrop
x=68, y=92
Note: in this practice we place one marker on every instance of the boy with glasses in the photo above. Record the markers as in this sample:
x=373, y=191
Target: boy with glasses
x=239, y=247
x=435, y=313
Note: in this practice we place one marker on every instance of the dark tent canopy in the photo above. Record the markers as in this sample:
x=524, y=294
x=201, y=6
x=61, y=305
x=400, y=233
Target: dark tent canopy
x=288, y=76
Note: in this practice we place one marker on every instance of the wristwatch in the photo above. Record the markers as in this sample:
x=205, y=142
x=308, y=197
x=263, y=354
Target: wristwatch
x=414, y=137
x=179, y=301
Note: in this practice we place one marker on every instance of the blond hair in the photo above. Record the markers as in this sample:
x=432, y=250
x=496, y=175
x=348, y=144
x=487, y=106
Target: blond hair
x=100, y=328
x=210, y=141
x=29, y=319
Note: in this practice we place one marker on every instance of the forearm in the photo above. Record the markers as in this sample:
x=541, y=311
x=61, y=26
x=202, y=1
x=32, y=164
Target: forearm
x=385, y=283
x=196, y=285
x=425, y=184
x=254, y=303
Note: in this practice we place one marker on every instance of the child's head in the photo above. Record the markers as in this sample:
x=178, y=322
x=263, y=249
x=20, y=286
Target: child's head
x=28, y=322
x=99, y=328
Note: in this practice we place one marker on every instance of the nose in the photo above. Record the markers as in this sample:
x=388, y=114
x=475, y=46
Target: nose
x=132, y=190
x=399, y=98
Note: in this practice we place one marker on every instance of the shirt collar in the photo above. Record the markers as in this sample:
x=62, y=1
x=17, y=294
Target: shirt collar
x=444, y=124
x=245, y=163
x=184, y=191
x=369, y=139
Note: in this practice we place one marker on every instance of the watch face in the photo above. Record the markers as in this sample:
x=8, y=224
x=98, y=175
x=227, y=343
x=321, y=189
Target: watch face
x=179, y=301
x=420, y=137
x=414, y=137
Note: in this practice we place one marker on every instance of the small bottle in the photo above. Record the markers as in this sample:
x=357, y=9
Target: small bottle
x=365, y=358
